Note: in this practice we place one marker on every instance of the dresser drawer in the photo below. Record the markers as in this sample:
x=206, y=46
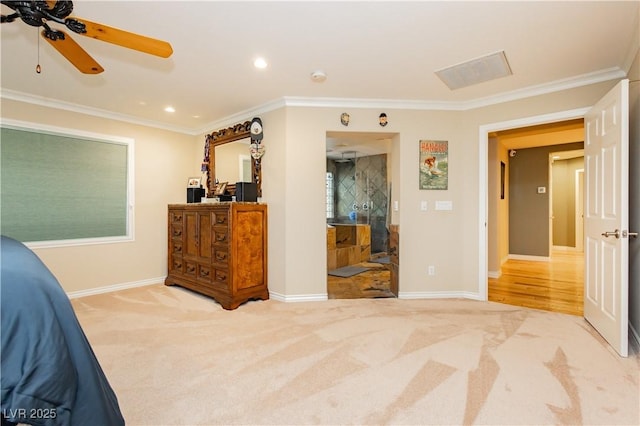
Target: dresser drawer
x=176, y=247
x=220, y=235
x=176, y=231
x=221, y=217
x=220, y=255
x=175, y=217
x=221, y=277
x=176, y=265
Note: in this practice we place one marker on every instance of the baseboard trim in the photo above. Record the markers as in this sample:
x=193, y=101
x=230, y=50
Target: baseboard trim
x=298, y=297
x=528, y=257
x=439, y=295
x=565, y=248
x=494, y=274
x=635, y=338
x=115, y=287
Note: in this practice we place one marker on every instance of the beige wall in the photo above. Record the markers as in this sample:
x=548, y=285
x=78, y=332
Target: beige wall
x=446, y=239
x=163, y=162
x=294, y=188
x=564, y=180
x=498, y=208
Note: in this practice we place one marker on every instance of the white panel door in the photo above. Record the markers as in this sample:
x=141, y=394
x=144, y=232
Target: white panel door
x=606, y=148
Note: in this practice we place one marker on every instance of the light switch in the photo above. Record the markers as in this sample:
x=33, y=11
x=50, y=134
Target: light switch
x=444, y=205
x=423, y=206
x=542, y=190
x=395, y=206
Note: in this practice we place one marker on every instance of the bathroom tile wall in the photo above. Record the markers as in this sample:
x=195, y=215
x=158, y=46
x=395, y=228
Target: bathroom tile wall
x=361, y=192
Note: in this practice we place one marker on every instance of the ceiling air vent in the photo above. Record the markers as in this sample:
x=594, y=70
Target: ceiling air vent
x=475, y=71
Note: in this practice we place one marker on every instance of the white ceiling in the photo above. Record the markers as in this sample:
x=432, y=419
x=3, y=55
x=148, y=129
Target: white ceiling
x=375, y=54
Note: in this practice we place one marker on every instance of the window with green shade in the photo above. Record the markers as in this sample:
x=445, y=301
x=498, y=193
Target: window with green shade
x=64, y=187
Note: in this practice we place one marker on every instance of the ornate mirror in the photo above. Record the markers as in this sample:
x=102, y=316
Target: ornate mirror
x=231, y=146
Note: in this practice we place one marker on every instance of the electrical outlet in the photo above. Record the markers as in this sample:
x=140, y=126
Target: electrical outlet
x=432, y=270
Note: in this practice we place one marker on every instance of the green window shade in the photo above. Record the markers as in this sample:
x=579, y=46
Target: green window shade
x=61, y=187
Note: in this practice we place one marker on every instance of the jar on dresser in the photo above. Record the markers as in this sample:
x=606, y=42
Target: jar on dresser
x=219, y=250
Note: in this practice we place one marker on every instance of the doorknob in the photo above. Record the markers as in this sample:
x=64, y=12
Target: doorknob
x=615, y=233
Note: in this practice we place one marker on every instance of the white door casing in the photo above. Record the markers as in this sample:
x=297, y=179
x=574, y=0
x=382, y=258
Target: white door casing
x=579, y=210
x=606, y=217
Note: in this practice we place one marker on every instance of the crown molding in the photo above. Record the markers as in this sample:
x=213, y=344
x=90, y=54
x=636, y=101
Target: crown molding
x=527, y=92
x=242, y=116
x=608, y=74
x=87, y=110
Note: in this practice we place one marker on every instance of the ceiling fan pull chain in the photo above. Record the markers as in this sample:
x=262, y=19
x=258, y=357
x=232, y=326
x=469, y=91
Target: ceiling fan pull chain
x=38, y=67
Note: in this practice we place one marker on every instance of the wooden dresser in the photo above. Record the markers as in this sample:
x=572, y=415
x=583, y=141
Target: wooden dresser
x=219, y=250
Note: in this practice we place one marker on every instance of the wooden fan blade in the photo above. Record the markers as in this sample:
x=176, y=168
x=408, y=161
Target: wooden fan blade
x=75, y=54
x=123, y=38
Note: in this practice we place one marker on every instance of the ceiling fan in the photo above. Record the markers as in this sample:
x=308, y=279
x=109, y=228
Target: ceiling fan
x=39, y=13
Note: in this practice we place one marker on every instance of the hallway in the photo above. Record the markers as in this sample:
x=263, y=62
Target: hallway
x=556, y=286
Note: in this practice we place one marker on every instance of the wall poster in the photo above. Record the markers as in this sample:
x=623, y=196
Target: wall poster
x=434, y=164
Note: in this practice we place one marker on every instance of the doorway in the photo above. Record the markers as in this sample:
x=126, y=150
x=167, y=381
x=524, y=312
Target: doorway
x=526, y=265
x=357, y=200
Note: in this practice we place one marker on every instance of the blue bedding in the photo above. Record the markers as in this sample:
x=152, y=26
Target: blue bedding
x=50, y=375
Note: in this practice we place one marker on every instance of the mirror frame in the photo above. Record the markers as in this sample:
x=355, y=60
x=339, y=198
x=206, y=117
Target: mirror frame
x=220, y=137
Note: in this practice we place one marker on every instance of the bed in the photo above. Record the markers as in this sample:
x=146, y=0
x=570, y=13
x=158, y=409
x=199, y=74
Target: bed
x=50, y=374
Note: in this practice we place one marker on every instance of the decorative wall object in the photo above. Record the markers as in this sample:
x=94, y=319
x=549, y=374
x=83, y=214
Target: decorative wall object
x=236, y=132
x=344, y=119
x=434, y=164
x=383, y=119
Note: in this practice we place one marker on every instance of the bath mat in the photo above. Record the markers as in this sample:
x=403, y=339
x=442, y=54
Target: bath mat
x=347, y=271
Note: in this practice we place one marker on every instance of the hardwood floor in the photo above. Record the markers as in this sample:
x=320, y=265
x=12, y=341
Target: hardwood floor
x=371, y=284
x=557, y=285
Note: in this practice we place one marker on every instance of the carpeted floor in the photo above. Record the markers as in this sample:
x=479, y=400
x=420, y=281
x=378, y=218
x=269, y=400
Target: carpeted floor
x=177, y=358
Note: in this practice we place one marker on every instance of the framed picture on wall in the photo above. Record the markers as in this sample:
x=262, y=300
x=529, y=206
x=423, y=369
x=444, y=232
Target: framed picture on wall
x=434, y=164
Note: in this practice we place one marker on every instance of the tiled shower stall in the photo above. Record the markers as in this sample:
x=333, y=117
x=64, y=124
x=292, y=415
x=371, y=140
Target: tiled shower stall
x=359, y=194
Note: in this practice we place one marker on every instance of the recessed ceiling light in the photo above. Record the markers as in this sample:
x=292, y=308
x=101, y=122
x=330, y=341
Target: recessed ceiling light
x=170, y=109
x=260, y=63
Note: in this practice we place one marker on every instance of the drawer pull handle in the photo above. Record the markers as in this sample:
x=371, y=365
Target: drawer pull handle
x=177, y=232
x=221, y=276
x=221, y=256
x=191, y=269
x=221, y=237
x=221, y=219
x=204, y=272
